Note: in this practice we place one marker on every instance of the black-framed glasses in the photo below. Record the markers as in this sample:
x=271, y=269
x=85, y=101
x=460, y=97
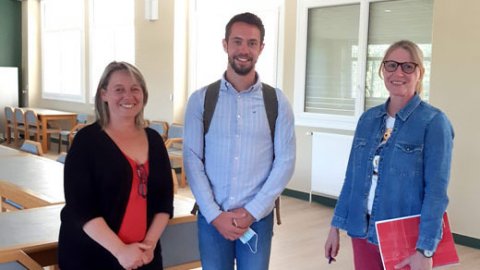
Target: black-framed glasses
x=142, y=176
x=407, y=67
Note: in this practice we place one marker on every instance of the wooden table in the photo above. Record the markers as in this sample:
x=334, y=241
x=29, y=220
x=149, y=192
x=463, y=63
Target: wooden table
x=30, y=180
x=35, y=231
x=46, y=115
x=39, y=183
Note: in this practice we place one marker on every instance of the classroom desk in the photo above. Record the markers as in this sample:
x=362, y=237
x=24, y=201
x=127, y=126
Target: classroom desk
x=30, y=180
x=46, y=115
x=35, y=231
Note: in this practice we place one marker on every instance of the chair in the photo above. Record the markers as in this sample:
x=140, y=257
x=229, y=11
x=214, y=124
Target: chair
x=62, y=157
x=18, y=259
x=9, y=123
x=34, y=126
x=174, y=145
x=161, y=127
x=19, y=124
x=68, y=134
x=73, y=132
x=32, y=147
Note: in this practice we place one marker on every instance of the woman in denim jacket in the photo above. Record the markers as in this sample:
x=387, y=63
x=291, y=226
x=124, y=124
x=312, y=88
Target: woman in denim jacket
x=399, y=165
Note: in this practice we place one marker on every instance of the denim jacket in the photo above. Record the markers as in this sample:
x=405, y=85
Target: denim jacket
x=413, y=172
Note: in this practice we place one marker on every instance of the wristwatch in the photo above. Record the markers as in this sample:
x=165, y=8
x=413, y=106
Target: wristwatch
x=425, y=253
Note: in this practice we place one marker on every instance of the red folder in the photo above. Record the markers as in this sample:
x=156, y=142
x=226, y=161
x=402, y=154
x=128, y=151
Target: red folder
x=398, y=237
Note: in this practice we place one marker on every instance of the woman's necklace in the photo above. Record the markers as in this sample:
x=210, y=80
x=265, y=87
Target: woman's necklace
x=387, y=134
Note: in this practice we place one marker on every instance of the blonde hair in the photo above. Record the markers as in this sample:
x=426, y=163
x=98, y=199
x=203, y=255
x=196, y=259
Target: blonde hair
x=101, y=107
x=416, y=54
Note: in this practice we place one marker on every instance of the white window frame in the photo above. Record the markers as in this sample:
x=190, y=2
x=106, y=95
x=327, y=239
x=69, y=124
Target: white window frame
x=85, y=34
x=309, y=119
x=93, y=80
x=80, y=96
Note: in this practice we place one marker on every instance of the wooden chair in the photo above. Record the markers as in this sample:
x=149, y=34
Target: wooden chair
x=161, y=127
x=9, y=123
x=68, y=134
x=18, y=259
x=34, y=126
x=174, y=145
x=32, y=147
x=73, y=132
x=62, y=157
x=19, y=125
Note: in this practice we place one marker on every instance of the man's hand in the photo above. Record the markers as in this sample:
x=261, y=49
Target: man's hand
x=224, y=223
x=244, y=222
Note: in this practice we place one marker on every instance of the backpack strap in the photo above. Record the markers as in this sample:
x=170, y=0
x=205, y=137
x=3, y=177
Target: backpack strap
x=271, y=106
x=211, y=98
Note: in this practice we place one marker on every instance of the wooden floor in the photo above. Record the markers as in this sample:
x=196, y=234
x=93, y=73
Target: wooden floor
x=298, y=242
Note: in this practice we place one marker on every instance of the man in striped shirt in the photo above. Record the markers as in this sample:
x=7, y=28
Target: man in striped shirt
x=237, y=169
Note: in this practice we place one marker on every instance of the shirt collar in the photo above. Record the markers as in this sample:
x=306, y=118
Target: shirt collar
x=406, y=111
x=227, y=86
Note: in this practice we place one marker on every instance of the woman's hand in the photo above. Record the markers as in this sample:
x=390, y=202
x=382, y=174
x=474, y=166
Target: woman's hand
x=132, y=256
x=149, y=251
x=416, y=262
x=332, y=245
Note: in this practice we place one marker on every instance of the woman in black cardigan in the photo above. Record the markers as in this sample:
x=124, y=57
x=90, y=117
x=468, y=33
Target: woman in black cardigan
x=118, y=182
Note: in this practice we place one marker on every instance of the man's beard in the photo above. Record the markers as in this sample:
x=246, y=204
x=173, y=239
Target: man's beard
x=238, y=69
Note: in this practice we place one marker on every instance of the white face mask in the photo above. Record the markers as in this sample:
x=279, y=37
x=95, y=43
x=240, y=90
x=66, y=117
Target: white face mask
x=250, y=236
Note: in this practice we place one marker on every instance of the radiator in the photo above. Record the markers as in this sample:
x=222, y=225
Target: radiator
x=330, y=154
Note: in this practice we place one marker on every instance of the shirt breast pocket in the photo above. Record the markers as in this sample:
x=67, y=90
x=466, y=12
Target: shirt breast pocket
x=407, y=159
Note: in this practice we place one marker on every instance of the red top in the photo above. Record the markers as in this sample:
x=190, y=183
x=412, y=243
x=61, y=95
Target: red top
x=134, y=224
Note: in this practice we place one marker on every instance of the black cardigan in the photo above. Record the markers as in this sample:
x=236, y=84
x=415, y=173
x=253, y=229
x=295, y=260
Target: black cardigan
x=97, y=183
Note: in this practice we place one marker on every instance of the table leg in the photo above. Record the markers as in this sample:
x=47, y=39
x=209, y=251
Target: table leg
x=44, y=135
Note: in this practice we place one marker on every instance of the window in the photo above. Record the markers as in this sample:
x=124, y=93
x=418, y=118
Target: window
x=339, y=50
x=62, y=49
x=110, y=35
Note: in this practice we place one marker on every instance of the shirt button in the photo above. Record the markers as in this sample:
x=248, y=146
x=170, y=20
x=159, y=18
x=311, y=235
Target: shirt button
x=238, y=115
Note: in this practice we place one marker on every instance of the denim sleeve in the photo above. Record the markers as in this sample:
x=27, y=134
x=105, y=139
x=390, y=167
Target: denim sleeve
x=437, y=158
x=193, y=157
x=340, y=214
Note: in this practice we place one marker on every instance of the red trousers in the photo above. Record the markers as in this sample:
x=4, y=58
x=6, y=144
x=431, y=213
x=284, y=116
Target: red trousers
x=366, y=256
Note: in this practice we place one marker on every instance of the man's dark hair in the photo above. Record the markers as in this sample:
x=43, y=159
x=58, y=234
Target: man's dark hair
x=247, y=18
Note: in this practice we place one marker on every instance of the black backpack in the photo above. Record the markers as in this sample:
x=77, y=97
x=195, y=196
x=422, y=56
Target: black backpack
x=271, y=108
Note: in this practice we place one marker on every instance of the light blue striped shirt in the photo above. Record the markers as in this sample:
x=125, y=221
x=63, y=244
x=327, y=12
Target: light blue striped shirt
x=238, y=169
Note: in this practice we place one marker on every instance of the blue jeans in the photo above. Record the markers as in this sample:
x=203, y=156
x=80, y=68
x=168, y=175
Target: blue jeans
x=218, y=253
